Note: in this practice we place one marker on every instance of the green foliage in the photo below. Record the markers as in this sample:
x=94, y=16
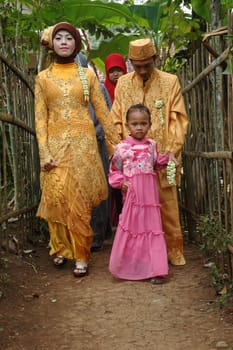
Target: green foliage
x=223, y=287
x=214, y=237
x=151, y=12
x=20, y=29
x=109, y=26
x=179, y=28
x=215, y=241
x=173, y=65
x=202, y=8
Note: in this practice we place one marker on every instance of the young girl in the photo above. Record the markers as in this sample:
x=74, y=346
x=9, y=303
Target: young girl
x=139, y=248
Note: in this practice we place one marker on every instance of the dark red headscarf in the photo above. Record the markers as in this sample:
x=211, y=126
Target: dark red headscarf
x=113, y=60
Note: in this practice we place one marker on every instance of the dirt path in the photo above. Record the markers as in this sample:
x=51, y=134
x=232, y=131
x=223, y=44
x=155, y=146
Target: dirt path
x=47, y=309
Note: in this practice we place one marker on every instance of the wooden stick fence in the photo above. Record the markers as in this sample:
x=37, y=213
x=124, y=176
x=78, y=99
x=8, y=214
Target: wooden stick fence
x=19, y=164
x=207, y=184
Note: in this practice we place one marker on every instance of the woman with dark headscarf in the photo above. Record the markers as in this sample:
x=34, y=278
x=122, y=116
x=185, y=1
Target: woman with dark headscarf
x=100, y=219
x=72, y=176
x=115, y=67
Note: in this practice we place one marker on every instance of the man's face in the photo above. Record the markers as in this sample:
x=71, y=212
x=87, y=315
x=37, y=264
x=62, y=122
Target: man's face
x=144, y=68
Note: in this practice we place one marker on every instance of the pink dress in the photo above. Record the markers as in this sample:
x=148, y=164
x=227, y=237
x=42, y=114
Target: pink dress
x=139, y=248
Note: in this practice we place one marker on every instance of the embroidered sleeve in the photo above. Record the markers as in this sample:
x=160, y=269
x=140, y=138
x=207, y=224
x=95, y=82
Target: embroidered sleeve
x=116, y=176
x=41, y=121
x=162, y=160
x=102, y=114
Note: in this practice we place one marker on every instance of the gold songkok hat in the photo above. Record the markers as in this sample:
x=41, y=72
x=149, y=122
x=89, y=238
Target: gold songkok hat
x=141, y=49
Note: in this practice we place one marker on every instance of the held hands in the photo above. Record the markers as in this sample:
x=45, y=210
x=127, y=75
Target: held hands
x=173, y=158
x=49, y=166
x=124, y=186
x=171, y=169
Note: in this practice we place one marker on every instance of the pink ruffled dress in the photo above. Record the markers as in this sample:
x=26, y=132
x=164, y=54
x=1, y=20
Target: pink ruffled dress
x=139, y=247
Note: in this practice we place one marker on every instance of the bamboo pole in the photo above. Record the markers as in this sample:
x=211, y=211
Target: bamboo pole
x=207, y=70
x=17, y=72
x=15, y=121
x=16, y=213
x=210, y=155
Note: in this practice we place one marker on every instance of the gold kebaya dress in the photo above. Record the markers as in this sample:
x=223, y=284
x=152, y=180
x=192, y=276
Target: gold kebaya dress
x=162, y=95
x=66, y=134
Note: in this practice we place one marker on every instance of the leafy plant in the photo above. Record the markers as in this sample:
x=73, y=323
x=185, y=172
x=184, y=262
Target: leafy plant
x=213, y=235
x=214, y=244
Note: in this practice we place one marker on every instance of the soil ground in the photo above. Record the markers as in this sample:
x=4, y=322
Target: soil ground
x=43, y=308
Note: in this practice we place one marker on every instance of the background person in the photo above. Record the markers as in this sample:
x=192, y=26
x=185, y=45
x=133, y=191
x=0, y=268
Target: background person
x=115, y=67
x=100, y=217
x=161, y=93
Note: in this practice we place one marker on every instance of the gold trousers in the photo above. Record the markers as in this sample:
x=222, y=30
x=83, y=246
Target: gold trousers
x=71, y=245
x=171, y=224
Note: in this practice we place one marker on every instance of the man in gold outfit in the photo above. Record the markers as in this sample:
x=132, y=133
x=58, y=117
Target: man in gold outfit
x=161, y=93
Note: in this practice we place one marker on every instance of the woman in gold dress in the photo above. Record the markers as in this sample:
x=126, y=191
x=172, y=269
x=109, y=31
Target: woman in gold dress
x=72, y=176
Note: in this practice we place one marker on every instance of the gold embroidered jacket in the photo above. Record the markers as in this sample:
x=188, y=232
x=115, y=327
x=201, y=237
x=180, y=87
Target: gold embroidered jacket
x=66, y=134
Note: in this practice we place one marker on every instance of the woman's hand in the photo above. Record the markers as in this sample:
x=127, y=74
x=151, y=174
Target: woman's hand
x=124, y=187
x=49, y=166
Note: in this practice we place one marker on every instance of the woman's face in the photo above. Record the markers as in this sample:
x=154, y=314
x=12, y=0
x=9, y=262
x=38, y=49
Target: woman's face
x=114, y=74
x=63, y=43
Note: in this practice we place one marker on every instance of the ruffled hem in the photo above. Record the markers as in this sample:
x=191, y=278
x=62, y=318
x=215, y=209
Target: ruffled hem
x=137, y=257
x=128, y=232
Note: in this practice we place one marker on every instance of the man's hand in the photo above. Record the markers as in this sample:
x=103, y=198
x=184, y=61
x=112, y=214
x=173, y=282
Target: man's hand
x=173, y=158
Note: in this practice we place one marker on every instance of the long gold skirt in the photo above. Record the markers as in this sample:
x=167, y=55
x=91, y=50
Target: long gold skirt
x=69, y=244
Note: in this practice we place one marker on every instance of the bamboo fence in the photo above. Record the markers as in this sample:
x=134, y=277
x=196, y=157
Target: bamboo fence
x=207, y=181
x=19, y=167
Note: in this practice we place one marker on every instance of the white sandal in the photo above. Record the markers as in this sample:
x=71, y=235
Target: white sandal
x=80, y=270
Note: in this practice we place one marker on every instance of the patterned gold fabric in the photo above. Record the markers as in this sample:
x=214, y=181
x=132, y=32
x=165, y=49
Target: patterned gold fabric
x=169, y=127
x=66, y=134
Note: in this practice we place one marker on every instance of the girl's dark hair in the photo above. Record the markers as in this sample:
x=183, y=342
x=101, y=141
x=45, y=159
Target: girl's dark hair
x=138, y=107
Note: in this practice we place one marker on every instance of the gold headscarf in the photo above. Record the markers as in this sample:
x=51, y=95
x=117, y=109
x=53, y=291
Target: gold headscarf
x=46, y=38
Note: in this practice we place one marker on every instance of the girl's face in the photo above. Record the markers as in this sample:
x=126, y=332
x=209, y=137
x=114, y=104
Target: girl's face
x=114, y=74
x=138, y=124
x=63, y=43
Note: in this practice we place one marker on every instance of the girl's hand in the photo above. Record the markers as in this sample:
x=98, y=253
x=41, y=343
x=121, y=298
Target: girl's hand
x=49, y=166
x=124, y=186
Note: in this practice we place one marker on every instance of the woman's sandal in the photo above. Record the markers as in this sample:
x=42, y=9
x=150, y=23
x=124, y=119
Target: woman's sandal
x=80, y=270
x=59, y=261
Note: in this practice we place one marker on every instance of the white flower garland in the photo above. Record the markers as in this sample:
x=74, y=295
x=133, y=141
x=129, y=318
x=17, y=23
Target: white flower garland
x=159, y=105
x=83, y=79
x=171, y=173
